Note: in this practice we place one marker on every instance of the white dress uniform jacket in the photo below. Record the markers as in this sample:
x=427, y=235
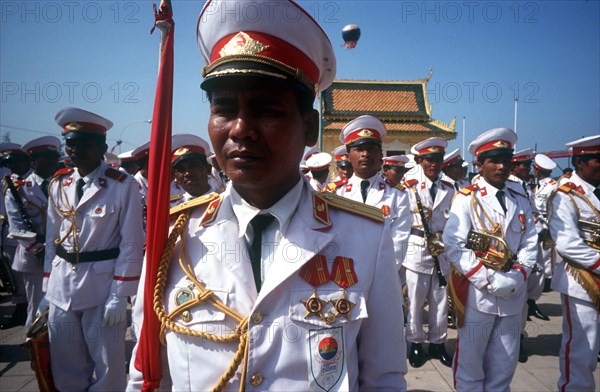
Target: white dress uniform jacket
x=283, y=353
x=569, y=238
x=580, y=341
x=418, y=258
x=544, y=189
x=36, y=204
x=107, y=217
x=519, y=233
x=394, y=204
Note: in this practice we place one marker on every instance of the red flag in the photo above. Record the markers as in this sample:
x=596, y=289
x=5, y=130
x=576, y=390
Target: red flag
x=159, y=179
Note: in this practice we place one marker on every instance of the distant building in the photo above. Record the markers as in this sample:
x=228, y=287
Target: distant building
x=403, y=107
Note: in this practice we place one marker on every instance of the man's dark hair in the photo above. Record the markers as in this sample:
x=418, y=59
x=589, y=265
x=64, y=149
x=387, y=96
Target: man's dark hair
x=583, y=158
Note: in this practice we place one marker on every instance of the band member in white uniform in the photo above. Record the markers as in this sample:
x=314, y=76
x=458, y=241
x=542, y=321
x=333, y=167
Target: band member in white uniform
x=33, y=195
x=269, y=283
x=94, y=248
x=574, y=214
x=363, y=137
x=430, y=197
x=487, y=284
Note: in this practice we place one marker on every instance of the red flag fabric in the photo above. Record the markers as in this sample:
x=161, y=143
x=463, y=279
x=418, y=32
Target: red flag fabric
x=159, y=179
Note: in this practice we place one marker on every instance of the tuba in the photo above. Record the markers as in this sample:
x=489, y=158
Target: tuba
x=38, y=345
x=593, y=228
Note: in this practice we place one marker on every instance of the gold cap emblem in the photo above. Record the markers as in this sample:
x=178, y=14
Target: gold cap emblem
x=73, y=126
x=365, y=133
x=501, y=144
x=242, y=43
x=181, y=151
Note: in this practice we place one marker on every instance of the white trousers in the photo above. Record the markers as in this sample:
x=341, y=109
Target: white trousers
x=81, y=348
x=487, y=350
x=579, y=346
x=34, y=294
x=420, y=287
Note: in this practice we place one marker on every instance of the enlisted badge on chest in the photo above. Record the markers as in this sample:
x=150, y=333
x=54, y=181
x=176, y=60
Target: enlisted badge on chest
x=385, y=210
x=348, y=187
x=343, y=274
x=327, y=367
x=315, y=273
x=522, y=219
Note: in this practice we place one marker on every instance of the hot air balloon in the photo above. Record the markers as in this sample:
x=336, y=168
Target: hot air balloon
x=351, y=35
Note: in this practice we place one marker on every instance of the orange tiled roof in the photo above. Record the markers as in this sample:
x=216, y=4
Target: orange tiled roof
x=393, y=100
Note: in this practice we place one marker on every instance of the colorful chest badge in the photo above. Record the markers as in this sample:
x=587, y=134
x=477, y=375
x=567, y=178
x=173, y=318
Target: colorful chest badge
x=343, y=274
x=327, y=367
x=315, y=273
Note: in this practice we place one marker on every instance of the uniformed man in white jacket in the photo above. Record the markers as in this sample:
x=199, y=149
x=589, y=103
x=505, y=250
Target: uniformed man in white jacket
x=17, y=166
x=542, y=170
x=94, y=248
x=273, y=286
x=318, y=164
x=190, y=167
x=430, y=195
x=487, y=283
x=574, y=214
x=363, y=137
x=33, y=195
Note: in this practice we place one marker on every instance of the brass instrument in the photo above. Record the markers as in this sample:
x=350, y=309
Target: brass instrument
x=494, y=252
x=435, y=245
x=592, y=228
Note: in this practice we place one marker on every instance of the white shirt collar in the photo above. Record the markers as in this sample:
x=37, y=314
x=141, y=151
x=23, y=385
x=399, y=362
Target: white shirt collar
x=355, y=179
x=282, y=210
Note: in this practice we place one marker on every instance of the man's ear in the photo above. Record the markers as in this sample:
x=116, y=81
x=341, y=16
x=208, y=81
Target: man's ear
x=105, y=148
x=311, y=127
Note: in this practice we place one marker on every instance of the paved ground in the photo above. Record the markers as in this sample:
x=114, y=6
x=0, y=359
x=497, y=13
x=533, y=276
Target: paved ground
x=539, y=373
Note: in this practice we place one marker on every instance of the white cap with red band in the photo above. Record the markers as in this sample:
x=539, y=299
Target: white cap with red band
x=363, y=129
x=277, y=39
x=497, y=140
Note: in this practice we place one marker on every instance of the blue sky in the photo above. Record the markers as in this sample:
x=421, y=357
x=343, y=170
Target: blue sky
x=99, y=55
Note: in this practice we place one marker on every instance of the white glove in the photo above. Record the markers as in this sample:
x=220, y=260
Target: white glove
x=114, y=311
x=42, y=307
x=501, y=284
x=518, y=277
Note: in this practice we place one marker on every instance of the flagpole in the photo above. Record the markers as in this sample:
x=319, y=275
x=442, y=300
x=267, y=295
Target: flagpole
x=464, y=135
x=148, y=358
x=515, y=126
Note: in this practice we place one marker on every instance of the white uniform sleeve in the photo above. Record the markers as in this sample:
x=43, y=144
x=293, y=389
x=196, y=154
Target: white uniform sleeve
x=565, y=232
x=383, y=327
x=455, y=238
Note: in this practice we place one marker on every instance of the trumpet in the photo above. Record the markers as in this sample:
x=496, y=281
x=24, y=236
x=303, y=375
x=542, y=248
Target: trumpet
x=494, y=252
x=593, y=228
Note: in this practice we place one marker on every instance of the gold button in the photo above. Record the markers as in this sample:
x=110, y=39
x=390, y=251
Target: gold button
x=256, y=317
x=186, y=316
x=256, y=379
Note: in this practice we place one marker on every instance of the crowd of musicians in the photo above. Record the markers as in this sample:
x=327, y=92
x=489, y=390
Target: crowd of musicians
x=290, y=268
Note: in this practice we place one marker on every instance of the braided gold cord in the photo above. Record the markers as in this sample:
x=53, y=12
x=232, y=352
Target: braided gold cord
x=496, y=229
x=65, y=214
x=240, y=354
x=241, y=332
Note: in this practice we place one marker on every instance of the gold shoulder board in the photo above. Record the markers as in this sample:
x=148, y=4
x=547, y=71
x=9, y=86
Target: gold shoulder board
x=194, y=203
x=352, y=206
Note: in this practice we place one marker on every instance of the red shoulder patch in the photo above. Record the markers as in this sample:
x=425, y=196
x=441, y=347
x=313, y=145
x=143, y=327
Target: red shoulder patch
x=115, y=174
x=469, y=189
x=63, y=172
x=411, y=182
x=567, y=187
